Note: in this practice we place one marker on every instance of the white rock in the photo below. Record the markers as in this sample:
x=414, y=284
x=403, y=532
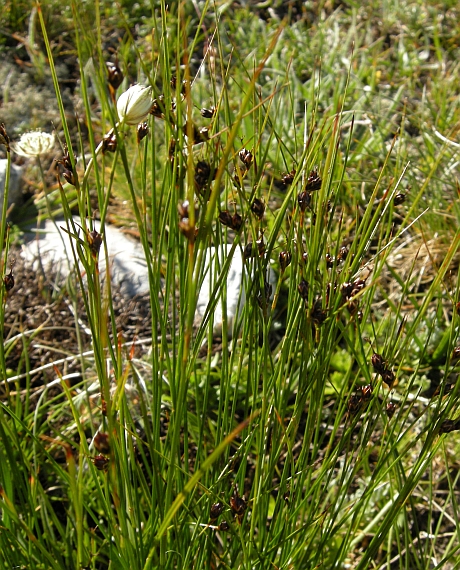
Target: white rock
x=128, y=267
x=14, y=194
x=235, y=294
x=51, y=246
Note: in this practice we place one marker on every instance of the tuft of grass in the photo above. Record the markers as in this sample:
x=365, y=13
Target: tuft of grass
x=314, y=432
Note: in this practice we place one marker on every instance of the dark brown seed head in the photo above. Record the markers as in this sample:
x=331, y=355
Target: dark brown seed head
x=391, y=409
x=457, y=308
x=237, y=504
x=69, y=177
x=187, y=230
x=352, y=307
x=249, y=251
x=101, y=442
x=456, y=353
x=197, y=134
x=261, y=246
x=313, y=181
x=203, y=174
x=354, y=404
x=304, y=200
x=288, y=177
x=115, y=75
x=399, y=199
x=66, y=163
x=237, y=222
x=258, y=208
x=109, y=143
x=182, y=209
x=449, y=425
x=8, y=280
x=285, y=258
x=158, y=107
x=317, y=314
x=208, y=113
x=329, y=261
x=378, y=363
x=342, y=255
x=366, y=392
x=100, y=462
x=225, y=218
x=303, y=289
x=246, y=157
x=4, y=138
x=142, y=131
x=216, y=511
x=388, y=377
x=94, y=239
x=358, y=285
x=346, y=290
x=224, y=526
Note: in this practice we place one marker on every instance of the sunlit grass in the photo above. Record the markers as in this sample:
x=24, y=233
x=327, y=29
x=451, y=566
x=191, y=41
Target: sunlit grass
x=310, y=434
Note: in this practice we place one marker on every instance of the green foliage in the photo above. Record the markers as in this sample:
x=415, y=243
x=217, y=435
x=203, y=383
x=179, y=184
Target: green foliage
x=311, y=423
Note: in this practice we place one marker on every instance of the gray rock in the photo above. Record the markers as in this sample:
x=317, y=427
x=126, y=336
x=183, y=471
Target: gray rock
x=14, y=194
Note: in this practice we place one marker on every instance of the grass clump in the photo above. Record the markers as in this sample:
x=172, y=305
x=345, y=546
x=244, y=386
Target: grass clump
x=310, y=430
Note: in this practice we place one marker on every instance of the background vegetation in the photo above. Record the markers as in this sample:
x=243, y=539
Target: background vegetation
x=318, y=429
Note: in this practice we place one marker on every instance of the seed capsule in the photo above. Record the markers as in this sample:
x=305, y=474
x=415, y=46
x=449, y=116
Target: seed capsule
x=314, y=181
x=142, y=131
x=109, y=143
x=317, y=314
x=225, y=218
x=303, y=289
x=378, y=362
x=399, y=199
x=449, y=425
x=100, y=462
x=94, y=239
x=304, y=200
x=237, y=222
x=246, y=157
x=238, y=505
x=258, y=208
x=249, y=251
x=203, y=174
x=224, y=526
x=354, y=404
x=158, y=107
x=391, y=409
x=8, y=280
x=342, y=255
x=388, y=377
x=285, y=258
x=346, y=289
x=261, y=246
x=115, y=75
x=456, y=353
x=366, y=392
x=288, y=177
x=208, y=113
x=101, y=442
x=4, y=138
x=216, y=511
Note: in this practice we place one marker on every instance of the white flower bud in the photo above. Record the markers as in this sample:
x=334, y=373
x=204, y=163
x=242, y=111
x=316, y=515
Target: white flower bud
x=33, y=144
x=134, y=104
